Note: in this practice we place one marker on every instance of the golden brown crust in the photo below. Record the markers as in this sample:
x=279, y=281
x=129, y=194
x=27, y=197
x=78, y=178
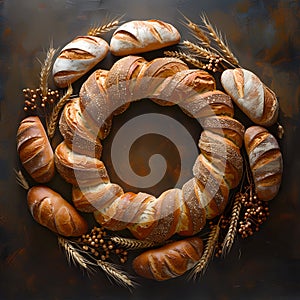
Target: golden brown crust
x=77, y=169
x=49, y=209
x=79, y=135
x=35, y=151
x=265, y=161
x=169, y=261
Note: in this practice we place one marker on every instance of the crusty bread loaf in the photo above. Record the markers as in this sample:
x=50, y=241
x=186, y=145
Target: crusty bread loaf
x=78, y=134
x=78, y=169
x=265, y=161
x=49, y=209
x=77, y=58
x=142, y=36
x=35, y=152
x=255, y=99
x=169, y=261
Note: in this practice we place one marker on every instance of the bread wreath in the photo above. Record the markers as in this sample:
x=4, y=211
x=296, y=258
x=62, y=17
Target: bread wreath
x=217, y=169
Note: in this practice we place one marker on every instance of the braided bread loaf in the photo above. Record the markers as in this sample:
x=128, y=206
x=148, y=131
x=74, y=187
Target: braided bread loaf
x=217, y=169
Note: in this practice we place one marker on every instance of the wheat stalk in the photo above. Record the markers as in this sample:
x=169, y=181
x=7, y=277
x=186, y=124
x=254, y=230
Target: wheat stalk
x=133, y=244
x=208, y=252
x=99, y=30
x=198, y=50
x=217, y=37
x=229, y=238
x=74, y=256
x=119, y=276
x=45, y=71
x=197, y=63
x=53, y=119
x=21, y=180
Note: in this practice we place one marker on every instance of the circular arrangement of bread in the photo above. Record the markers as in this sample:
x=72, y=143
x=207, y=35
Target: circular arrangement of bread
x=210, y=92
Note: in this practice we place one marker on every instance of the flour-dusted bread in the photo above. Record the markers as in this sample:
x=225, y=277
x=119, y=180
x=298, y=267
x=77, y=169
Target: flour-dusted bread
x=77, y=58
x=265, y=161
x=253, y=97
x=142, y=36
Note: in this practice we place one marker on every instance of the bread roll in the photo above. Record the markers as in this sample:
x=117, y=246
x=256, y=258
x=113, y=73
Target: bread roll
x=78, y=134
x=265, y=161
x=35, y=152
x=255, y=99
x=49, y=209
x=169, y=261
x=142, y=36
x=77, y=58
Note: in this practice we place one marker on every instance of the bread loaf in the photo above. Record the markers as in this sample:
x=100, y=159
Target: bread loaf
x=77, y=58
x=142, y=36
x=35, y=152
x=49, y=209
x=169, y=261
x=265, y=161
x=255, y=99
x=79, y=135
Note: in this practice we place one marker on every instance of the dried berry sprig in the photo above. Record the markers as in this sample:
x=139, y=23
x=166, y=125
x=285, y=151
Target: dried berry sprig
x=100, y=245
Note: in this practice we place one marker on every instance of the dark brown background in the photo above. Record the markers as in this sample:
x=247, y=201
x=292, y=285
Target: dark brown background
x=265, y=37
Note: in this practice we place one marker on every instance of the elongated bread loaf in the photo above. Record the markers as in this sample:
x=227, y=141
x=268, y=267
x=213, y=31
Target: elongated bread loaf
x=49, y=209
x=254, y=98
x=35, y=152
x=265, y=161
x=143, y=36
x=77, y=58
x=169, y=261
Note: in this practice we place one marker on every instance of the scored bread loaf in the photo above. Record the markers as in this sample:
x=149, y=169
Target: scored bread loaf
x=77, y=58
x=142, y=36
x=265, y=161
x=254, y=98
x=169, y=261
x=49, y=209
x=34, y=149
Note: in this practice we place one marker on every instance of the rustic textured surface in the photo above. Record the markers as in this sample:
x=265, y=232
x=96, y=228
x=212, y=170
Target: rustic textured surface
x=264, y=36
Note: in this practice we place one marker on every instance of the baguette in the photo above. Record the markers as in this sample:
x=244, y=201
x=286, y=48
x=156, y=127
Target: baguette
x=142, y=36
x=49, y=209
x=255, y=99
x=35, y=152
x=169, y=261
x=77, y=58
x=265, y=161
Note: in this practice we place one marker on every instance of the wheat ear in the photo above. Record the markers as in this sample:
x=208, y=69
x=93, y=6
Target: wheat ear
x=208, y=252
x=235, y=215
x=133, y=244
x=217, y=37
x=45, y=71
x=53, y=119
x=21, y=180
x=119, y=276
x=99, y=30
x=189, y=59
x=74, y=256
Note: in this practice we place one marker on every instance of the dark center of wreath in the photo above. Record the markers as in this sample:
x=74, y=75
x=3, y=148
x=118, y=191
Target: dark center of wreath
x=149, y=144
